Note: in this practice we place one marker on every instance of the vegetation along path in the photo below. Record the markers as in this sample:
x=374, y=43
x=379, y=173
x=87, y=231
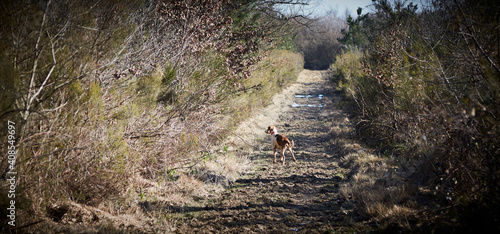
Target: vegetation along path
x=301, y=196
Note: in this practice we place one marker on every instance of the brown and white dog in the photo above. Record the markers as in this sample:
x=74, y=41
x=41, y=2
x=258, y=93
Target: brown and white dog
x=280, y=142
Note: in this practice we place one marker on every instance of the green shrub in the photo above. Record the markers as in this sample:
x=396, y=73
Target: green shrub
x=349, y=73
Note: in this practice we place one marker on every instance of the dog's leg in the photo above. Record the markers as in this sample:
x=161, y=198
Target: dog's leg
x=274, y=154
x=282, y=156
x=293, y=156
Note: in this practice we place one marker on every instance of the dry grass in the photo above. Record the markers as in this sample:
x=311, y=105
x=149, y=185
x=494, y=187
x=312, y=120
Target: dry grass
x=228, y=167
x=377, y=189
x=374, y=187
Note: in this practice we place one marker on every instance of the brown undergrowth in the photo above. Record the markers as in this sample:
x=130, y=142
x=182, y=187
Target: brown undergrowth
x=117, y=104
x=144, y=155
x=430, y=109
x=375, y=184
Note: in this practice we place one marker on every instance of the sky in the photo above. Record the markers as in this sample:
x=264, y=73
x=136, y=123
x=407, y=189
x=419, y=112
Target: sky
x=323, y=6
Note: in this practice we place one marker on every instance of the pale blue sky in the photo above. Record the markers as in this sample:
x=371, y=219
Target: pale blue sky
x=322, y=6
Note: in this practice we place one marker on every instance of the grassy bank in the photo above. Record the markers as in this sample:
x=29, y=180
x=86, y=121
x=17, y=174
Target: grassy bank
x=119, y=105
x=129, y=152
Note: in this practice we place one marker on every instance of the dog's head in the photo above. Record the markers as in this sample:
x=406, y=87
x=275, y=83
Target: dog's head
x=271, y=129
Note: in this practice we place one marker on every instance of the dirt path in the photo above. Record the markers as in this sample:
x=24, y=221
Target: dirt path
x=299, y=197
